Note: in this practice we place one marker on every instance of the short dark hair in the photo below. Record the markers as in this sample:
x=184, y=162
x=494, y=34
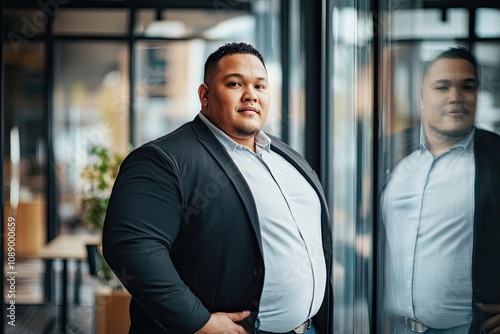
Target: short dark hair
x=212, y=63
x=458, y=52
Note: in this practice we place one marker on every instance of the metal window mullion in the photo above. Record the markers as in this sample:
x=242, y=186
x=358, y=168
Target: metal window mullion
x=50, y=175
x=131, y=68
x=285, y=63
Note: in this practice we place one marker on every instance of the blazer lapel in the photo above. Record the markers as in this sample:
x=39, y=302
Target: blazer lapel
x=208, y=140
x=310, y=175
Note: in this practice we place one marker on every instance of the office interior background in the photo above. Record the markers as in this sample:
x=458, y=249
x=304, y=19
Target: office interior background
x=344, y=75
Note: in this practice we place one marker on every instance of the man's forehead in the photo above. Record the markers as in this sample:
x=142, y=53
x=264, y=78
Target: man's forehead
x=241, y=60
x=239, y=64
x=446, y=67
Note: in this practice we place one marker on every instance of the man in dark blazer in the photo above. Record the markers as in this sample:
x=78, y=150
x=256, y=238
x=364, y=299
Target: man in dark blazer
x=443, y=142
x=187, y=226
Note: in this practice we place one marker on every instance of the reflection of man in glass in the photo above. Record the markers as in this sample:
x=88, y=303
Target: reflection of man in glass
x=441, y=210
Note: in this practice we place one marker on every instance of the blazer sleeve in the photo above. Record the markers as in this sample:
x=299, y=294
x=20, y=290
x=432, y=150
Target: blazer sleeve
x=142, y=222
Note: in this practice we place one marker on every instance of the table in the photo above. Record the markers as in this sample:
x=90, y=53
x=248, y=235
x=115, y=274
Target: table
x=67, y=247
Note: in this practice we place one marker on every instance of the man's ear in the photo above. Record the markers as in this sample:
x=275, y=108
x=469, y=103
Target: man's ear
x=203, y=94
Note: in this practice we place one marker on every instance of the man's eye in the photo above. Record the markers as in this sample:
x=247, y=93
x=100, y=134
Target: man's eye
x=442, y=88
x=233, y=84
x=470, y=87
x=259, y=86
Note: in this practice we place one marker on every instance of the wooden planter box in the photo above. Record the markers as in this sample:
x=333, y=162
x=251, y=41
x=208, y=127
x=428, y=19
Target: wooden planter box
x=111, y=311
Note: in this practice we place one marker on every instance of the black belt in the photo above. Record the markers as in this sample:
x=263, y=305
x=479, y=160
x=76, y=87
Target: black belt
x=302, y=328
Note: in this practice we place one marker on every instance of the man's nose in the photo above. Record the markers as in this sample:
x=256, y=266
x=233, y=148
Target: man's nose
x=249, y=95
x=456, y=95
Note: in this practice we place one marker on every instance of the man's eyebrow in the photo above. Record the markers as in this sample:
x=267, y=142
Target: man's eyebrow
x=446, y=81
x=239, y=75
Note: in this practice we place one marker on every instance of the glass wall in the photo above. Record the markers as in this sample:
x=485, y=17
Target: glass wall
x=83, y=22
x=488, y=104
x=428, y=190
x=90, y=109
x=166, y=85
x=351, y=100
x=376, y=56
x=25, y=145
x=296, y=82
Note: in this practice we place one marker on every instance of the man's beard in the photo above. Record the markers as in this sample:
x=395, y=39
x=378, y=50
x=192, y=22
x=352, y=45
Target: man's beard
x=455, y=134
x=246, y=132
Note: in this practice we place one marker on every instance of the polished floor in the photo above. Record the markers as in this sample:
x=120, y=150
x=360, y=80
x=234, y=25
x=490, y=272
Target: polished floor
x=34, y=316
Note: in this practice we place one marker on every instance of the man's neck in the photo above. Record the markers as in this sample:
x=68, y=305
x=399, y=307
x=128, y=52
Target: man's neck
x=438, y=143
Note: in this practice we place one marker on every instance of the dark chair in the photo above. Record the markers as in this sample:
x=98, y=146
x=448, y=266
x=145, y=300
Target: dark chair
x=94, y=259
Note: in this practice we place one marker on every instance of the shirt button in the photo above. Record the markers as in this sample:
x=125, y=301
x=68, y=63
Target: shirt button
x=408, y=282
x=257, y=271
x=409, y=308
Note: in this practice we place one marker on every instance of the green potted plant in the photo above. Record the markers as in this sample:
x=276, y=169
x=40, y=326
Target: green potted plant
x=111, y=299
x=99, y=177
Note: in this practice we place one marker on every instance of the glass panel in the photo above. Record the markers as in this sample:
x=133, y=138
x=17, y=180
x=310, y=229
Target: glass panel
x=427, y=271
x=91, y=21
x=91, y=106
x=297, y=102
x=167, y=78
x=488, y=104
x=487, y=22
x=429, y=23
x=24, y=24
x=265, y=37
x=409, y=177
x=350, y=132
x=209, y=23
x=143, y=19
x=25, y=163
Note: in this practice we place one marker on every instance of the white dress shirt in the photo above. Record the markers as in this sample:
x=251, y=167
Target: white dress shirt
x=428, y=212
x=290, y=222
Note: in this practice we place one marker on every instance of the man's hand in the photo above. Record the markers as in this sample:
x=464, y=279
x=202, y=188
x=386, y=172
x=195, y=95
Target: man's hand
x=224, y=323
x=492, y=325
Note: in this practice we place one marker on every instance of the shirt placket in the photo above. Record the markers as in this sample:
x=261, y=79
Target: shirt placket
x=427, y=165
x=261, y=158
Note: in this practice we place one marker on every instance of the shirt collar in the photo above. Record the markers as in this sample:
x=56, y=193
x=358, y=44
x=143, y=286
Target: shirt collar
x=466, y=143
x=262, y=141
